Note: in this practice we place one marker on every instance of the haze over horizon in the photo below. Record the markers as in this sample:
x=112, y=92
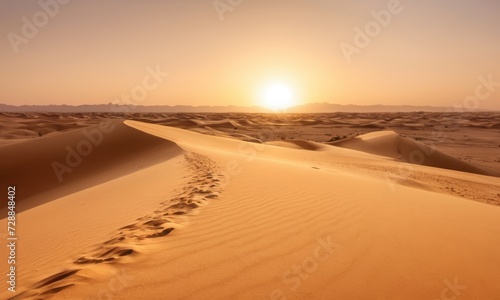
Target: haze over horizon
x=251, y=53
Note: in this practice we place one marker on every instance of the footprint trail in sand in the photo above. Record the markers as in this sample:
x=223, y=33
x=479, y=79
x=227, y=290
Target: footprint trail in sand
x=205, y=183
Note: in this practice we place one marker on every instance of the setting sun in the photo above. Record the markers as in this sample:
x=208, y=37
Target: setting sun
x=277, y=96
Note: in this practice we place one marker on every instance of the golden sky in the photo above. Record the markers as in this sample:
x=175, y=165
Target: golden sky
x=228, y=52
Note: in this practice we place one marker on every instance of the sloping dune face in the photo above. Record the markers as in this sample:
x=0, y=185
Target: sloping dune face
x=390, y=144
x=57, y=165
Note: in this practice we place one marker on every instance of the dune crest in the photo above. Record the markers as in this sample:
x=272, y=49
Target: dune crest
x=393, y=145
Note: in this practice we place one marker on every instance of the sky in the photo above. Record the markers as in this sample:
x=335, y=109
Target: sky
x=233, y=52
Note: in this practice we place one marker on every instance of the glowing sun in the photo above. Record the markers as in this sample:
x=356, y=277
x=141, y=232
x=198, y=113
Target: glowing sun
x=277, y=96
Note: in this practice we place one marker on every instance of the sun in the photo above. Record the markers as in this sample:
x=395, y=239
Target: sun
x=277, y=96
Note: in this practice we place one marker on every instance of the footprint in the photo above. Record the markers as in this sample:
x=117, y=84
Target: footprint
x=108, y=256
x=126, y=252
x=183, y=206
x=131, y=226
x=55, y=290
x=203, y=191
x=56, y=277
x=117, y=250
x=114, y=241
x=83, y=260
x=156, y=223
x=160, y=234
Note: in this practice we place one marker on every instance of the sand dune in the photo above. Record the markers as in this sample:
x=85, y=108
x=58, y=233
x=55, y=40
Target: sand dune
x=390, y=144
x=63, y=163
x=157, y=212
x=469, y=137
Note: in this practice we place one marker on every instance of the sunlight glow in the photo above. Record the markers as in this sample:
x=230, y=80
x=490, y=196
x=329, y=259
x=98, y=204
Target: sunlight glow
x=277, y=96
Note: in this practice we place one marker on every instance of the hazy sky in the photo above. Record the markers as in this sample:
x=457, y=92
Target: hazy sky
x=427, y=52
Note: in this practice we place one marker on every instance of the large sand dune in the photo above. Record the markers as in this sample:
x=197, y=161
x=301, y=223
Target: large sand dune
x=156, y=212
x=63, y=163
x=392, y=145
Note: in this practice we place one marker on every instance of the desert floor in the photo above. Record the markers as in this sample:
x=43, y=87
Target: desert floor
x=253, y=206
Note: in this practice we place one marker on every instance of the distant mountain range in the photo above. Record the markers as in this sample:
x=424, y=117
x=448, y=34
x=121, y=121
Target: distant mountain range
x=306, y=108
